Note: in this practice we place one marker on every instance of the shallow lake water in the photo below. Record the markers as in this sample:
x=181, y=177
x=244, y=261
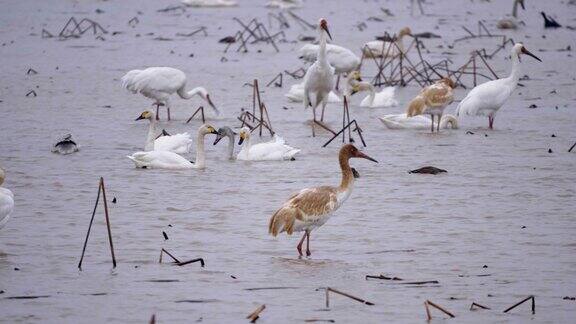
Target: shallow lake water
x=498, y=227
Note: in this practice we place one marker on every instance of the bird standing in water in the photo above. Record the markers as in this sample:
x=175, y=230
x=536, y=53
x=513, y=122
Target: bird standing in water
x=312, y=207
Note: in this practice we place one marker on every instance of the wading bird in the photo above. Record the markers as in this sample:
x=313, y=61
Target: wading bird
x=432, y=100
x=171, y=160
x=177, y=143
x=380, y=48
x=487, y=98
x=6, y=201
x=342, y=59
x=511, y=22
x=312, y=207
x=159, y=83
x=319, y=78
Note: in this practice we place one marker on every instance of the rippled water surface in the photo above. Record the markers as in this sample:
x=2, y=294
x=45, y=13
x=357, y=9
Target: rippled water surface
x=499, y=226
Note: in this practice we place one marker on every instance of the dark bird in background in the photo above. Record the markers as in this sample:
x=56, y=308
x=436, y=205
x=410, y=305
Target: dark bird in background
x=549, y=22
x=65, y=145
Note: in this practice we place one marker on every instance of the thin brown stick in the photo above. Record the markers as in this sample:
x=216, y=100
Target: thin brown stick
x=201, y=110
x=572, y=147
x=108, y=221
x=428, y=315
x=256, y=314
x=169, y=254
x=192, y=261
x=440, y=308
x=521, y=302
x=382, y=277
x=475, y=304
x=89, y=227
x=349, y=296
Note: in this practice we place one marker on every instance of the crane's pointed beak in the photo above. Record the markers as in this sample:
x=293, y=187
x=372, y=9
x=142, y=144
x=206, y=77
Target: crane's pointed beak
x=364, y=156
x=212, y=104
x=327, y=31
x=525, y=51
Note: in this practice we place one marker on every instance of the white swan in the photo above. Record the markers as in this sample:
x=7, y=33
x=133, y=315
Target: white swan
x=342, y=59
x=511, y=22
x=379, y=48
x=384, y=98
x=402, y=121
x=210, y=3
x=227, y=132
x=177, y=143
x=6, y=201
x=284, y=4
x=159, y=83
x=296, y=94
x=171, y=160
x=273, y=150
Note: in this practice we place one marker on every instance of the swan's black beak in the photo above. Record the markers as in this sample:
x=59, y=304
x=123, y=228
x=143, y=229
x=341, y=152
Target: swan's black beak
x=218, y=138
x=241, y=140
x=525, y=51
x=139, y=117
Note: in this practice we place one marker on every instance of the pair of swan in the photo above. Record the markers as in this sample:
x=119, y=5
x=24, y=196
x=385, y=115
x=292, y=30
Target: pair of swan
x=6, y=201
x=275, y=150
x=177, y=143
x=173, y=161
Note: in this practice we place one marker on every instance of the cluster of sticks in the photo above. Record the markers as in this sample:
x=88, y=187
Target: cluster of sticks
x=253, y=32
x=283, y=20
x=250, y=119
x=400, y=70
x=475, y=306
x=75, y=29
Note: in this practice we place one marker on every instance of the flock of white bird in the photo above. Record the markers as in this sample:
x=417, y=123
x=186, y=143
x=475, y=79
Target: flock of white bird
x=311, y=207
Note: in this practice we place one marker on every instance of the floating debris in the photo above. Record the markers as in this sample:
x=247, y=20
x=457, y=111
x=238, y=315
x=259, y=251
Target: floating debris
x=255, y=315
x=549, y=22
x=476, y=305
x=328, y=290
x=428, y=170
x=521, y=302
x=440, y=308
x=65, y=145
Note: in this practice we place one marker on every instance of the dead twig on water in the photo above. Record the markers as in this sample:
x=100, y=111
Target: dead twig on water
x=178, y=262
x=277, y=83
x=476, y=305
x=346, y=125
x=572, y=147
x=31, y=71
x=440, y=308
x=201, y=29
x=328, y=290
x=382, y=277
x=199, y=110
x=31, y=93
x=162, y=251
x=253, y=317
x=521, y=302
x=297, y=74
x=101, y=189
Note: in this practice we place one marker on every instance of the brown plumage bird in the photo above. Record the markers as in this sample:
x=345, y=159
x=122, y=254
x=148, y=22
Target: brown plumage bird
x=432, y=100
x=312, y=207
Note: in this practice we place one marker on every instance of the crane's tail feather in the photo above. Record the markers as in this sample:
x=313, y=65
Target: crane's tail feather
x=282, y=221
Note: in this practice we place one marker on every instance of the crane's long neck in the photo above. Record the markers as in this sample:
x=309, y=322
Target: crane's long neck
x=151, y=135
x=188, y=94
x=200, y=155
x=515, y=73
x=322, y=49
x=347, y=181
x=231, y=147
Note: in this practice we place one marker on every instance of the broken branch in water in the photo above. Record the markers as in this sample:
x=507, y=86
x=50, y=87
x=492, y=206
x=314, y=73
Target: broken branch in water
x=277, y=83
x=440, y=308
x=256, y=314
x=169, y=254
x=521, y=302
x=383, y=277
x=572, y=147
x=178, y=262
x=199, y=110
x=475, y=304
x=192, y=261
x=328, y=289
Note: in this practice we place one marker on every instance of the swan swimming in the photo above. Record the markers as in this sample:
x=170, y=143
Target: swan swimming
x=402, y=121
x=171, y=160
x=177, y=143
x=275, y=150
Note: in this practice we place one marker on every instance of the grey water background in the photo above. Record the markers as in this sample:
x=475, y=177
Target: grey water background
x=505, y=203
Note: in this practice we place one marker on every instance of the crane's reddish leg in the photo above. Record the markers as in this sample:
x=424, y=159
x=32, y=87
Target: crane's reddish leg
x=299, y=247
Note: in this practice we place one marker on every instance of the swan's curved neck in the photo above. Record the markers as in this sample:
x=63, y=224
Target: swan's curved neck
x=247, y=144
x=347, y=177
x=200, y=155
x=191, y=93
x=231, y=147
x=151, y=135
x=372, y=93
